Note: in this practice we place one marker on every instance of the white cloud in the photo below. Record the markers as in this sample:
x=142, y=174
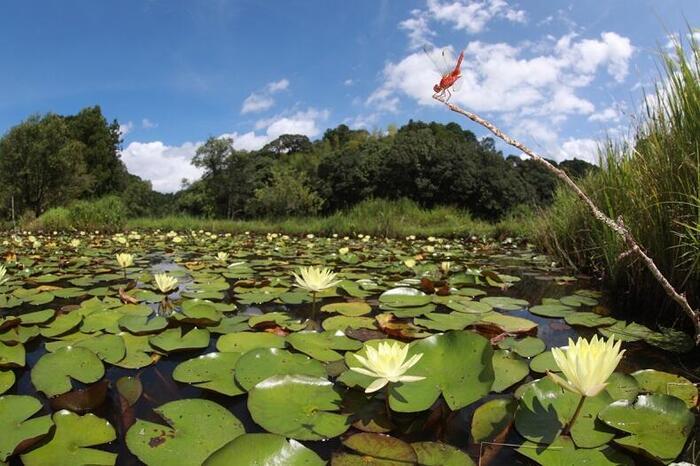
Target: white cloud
x=605, y=115
x=263, y=100
x=125, y=128
x=165, y=166
x=348, y=82
x=473, y=15
x=419, y=31
x=585, y=149
x=148, y=124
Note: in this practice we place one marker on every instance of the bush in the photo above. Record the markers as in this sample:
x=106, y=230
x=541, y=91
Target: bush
x=104, y=214
x=287, y=195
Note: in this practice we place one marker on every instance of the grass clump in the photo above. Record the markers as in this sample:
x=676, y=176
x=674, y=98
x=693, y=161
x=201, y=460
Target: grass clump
x=654, y=184
x=105, y=214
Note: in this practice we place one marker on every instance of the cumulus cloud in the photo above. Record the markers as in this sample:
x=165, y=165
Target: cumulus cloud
x=473, y=15
x=263, y=100
x=585, y=149
x=417, y=26
x=165, y=166
x=605, y=115
x=125, y=128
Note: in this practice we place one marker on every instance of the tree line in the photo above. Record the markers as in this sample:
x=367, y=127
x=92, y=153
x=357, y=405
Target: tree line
x=52, y=160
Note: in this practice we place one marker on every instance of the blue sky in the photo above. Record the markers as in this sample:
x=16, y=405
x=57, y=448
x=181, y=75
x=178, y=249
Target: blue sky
x=558, y=74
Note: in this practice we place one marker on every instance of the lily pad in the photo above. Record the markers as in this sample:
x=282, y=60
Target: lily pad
x=213, y=371
x=342, y=323
x=526, y=347
x=73, y=435
x=259, y=364
x=297, y=406
x=375, y=449
x=174, y=340
x=16, y=425
x=7, y=380
x=509, y=369
x=264, y=450
x=492, y=418
x=440, y=454
x=12, y=355
x=242, y=342
x=323, y=345
x=563, y=453
x=53, y=372
x=350, y=309
x=589, y=319
x=505, y=303
x=653, y=381
x=658, y=425
x=404, y=297
x=551, y=310
x=196, y=429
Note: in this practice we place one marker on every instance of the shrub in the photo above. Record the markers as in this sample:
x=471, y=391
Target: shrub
x=104, y=214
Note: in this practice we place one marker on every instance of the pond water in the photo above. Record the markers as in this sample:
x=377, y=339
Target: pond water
x=499, y=294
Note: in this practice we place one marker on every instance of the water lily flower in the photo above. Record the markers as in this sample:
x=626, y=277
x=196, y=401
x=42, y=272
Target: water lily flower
x=344, y=250
x=445, y=267
x=387, y=364
x=165, y=282
x=75, y=243
x=222, y=256
x=315, y=279
x=125, y=260
x=587, y=365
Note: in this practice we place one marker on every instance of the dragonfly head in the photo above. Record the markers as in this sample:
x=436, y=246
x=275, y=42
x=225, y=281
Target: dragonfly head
x=437, y=88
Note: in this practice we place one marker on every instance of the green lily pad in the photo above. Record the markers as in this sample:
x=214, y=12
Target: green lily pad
x=492, y=418
x=658, y=425
x=174, y=340
x=137, y=351
x=53, y=372
x=544, y=362
x=297, y=406
x=577, y=300
x=375, y=449
x=37, y=317
x=457, y=365
x=404, y=297
x=653, y=381
x=342, y=323
x=242, y=342
x=626, y=332
x=589, y=319
x=551, y=310
x=350, y=309
x=142, y=325
x=73, y=435
x=509, y=324
x=15, y=425
x=7, y=380
x=322, y=345
x=199, y=312
x=62, y=324
x=563, y=453
x=259, y=364
x=526, y=347
x=508, y=369
x=12, y=355
x=440, y=454
x=622, y=386
x=196, y=429
x=505, y=303
x=264, y=450
x=212, y=371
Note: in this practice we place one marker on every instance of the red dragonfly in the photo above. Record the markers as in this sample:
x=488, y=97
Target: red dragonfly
x=450, y=76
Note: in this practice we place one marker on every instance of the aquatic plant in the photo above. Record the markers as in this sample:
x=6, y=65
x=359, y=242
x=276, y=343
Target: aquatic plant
x=387, y=364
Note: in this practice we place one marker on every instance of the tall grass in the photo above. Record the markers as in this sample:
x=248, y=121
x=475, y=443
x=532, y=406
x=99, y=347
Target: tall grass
x=374, y=217
x=653, y=183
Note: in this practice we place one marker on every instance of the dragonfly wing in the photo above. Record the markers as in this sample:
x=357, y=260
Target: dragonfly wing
x=457, y=85
x=438, y=59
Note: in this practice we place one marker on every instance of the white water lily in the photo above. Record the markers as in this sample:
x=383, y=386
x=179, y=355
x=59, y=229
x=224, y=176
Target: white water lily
x=222, y=256
x=125, y=260
x=315, y=279
x=165, y=282
x=445, y=267
x=387, y=364
x=587, y=365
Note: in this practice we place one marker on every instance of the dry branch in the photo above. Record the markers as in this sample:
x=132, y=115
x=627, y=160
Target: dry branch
x=617, y=226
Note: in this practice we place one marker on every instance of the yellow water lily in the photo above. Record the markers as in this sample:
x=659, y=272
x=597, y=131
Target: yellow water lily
x=125, y=260
x=587, y=365
x=165, y=282
x=222, y=256
x=315, y=279
x=387, y=363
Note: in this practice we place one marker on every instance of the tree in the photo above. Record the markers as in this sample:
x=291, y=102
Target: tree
x=41, y=164
x=286, y=195
x=288, y=144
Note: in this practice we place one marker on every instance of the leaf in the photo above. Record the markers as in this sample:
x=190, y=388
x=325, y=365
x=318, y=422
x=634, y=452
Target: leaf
x=509, y=369
x=15, y=425
x=242, y=342
x=653, y=381
x=658, y=425
x=563, y=453
x=212, y=371
x=53, y=372
x=322, y=345
x=12, y=355
x=492, y=418
x=68, y=446
x=440, y=454
x=297, y=406
x=172, y=340
x=264, y=450
x=375, y=449
x=259, y=364
x=196, y=429
x=350, y=309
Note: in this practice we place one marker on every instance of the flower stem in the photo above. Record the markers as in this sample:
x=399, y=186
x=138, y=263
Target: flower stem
x=313, y=306
x=386, y=403
x=567, y=428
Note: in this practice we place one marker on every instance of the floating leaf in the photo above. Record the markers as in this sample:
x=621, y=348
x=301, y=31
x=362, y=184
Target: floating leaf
x=174, y=340
x=350, y=309
x=213, y=371
x=658, y=425
x=53, y=372
x=322, y=346
x=297, y=406
x=197, y=428
x=264, y=449
x=589, y=319
x=259, y=364
x=15, y=425
x=12, y=355
x=73, y=435
x=563, y=453
x=505, y=303
x=440, y=454
x=509, y=369
x=342, y=323
x=526, y=347
x=653, y=381
x=129, y=388
x=404, y=297
x=375, y=449
x=245, y=341
x=492, y=418
x=552, y=310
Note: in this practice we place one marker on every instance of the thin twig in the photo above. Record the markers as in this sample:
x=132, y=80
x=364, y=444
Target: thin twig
x=617, y=226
